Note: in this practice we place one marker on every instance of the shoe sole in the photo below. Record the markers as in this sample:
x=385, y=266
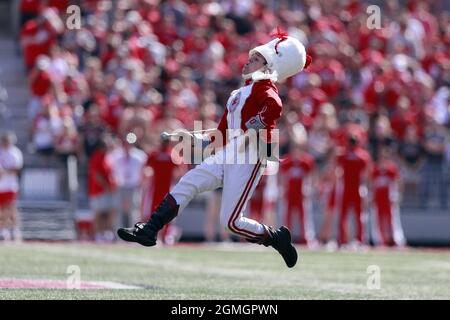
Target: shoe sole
x=294, y=253
x=126, y=236
x=292, y=249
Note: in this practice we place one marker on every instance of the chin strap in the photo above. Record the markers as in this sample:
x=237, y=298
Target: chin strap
x=247, y=76
x=260, y=75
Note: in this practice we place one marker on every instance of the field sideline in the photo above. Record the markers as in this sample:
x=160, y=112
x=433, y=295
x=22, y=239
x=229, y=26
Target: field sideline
x=237, y=271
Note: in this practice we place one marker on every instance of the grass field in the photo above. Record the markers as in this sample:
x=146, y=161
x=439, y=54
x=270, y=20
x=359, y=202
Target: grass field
x=216, y=272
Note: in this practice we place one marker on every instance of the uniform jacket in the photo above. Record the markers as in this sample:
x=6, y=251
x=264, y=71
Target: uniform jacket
x=255, y=105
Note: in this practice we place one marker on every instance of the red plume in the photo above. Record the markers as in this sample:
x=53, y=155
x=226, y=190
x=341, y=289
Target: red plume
x=308, y=61
x=280, y=34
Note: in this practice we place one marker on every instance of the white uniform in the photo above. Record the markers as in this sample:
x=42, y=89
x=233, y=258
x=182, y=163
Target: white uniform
x=238, y=182
x=259, y=101
x=257, y=106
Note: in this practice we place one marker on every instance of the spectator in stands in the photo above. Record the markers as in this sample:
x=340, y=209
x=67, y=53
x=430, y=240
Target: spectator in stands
x=67, y=141
x=136, y=119
x=29, y=9
x=434, y=169
x=128, y=163
x=92, y=128
x=411, y=156
x=11, y=162
x=380, y=135
x=38, y=35
x=46, y=127
x=447, y=158
x=41, y=84
x=102, y=186
x=319, y=138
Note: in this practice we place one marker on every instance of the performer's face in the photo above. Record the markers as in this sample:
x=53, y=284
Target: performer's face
x=255, y=62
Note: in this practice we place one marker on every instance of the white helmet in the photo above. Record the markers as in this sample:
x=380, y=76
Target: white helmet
x=285, y=56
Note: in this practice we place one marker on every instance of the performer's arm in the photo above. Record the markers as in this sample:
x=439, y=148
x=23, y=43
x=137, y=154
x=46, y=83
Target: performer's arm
x=267, y=117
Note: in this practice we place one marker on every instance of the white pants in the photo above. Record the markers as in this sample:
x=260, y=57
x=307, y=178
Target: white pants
x=238, y=182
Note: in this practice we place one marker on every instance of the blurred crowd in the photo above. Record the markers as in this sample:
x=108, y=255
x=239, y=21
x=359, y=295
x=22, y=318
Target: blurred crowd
x=137, y=68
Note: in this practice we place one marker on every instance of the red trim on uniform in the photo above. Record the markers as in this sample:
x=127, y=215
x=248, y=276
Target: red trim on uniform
x=242, y=204
x=242, y=200
x=7, y=198
x=230, y=226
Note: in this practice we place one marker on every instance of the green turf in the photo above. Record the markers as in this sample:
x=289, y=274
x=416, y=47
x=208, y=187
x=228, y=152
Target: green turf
x=247, y=272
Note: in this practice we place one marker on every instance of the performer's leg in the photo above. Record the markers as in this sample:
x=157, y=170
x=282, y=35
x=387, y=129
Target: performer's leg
x=238, y=186
x=288, y=213
x=357, y=204
x=390, y=227
x=343, y=221
x=310, y=232
x=206, y=176
x=381, y=222
x=325, y=233
x=398, y=235
x=301, y=220
x=240, y=181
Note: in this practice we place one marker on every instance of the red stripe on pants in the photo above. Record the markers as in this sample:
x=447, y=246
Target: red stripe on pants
x=242, y=199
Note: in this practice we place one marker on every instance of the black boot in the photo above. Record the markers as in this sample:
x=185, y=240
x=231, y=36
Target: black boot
x=146, y=233
x=280, y=240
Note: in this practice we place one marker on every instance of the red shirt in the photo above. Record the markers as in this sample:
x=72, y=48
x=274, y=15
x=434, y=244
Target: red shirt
x=258, y=99
x=99, y=165
x=113, y=113
x=61, y=5
x=30, y=6
x=41, y=84
x=331, y=74
x=295, y=170
x=313, y=100
x=353, y=162
x=43, y=36
x=163, y=168
x=400, y=121
x=258, y=194
x=340, y=135
x=383, y=178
